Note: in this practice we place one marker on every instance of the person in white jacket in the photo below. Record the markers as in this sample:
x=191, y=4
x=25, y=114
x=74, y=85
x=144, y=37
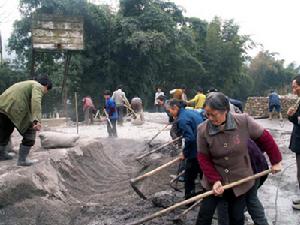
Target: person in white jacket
x=119, y=97
x=158, y=107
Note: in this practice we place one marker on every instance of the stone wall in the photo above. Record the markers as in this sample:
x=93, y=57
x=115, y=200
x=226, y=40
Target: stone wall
x=258, y=106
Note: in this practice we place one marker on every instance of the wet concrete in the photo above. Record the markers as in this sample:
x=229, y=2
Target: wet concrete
x=89, y=184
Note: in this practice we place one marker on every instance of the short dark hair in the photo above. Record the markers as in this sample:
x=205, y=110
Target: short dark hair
x=217, y=101
x=175, y=102
x=120, y=86
x=200, y=89
x=45, y=81
x=297, y=79
x=107, y=92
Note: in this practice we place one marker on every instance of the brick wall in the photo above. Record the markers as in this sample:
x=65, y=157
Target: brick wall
x=259, y=106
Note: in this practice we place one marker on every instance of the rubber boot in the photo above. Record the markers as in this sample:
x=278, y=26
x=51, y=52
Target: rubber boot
x=4, y=154
x=23, y=153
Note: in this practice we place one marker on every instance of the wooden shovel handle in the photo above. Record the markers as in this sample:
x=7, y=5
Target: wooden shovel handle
x=158, y=133
x=152, y=172
x=158, y=148
x=201, y=196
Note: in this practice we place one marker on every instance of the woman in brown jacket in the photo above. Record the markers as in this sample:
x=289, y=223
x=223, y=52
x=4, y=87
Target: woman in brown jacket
x=223, y=157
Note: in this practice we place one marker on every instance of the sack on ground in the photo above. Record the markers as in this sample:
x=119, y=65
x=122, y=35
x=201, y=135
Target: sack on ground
x=51, y=139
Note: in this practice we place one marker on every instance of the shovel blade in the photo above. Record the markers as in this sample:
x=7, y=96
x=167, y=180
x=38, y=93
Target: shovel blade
x=139, y=193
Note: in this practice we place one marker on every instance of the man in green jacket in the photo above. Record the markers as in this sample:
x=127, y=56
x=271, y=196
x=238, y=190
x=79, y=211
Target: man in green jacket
x=20, y=107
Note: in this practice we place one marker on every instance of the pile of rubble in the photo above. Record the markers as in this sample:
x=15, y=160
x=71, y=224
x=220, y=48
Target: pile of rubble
x=258, y=106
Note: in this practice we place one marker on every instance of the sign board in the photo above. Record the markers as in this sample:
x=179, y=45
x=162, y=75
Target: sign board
x=57, y=32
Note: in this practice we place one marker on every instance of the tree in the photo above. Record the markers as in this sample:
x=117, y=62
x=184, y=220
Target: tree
x=9, y=76
x=270, y=73
x=224, y=55
x=147, y=43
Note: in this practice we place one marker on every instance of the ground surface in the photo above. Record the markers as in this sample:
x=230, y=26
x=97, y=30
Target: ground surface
x=89, y=184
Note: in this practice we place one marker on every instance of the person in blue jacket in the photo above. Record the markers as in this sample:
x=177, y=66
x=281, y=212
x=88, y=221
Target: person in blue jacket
x=187, y=122
x=274, y=103
x=111, y=109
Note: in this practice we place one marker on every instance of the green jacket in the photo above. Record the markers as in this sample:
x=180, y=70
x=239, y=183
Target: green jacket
x=22, y=104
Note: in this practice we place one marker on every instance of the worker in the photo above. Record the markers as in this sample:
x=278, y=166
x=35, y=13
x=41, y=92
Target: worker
x=274, y=103
x=221, y=135
x=88, y=108
x=119, y=97
x=294, y=117
x=137, y=106
x=158, y=107
x=112, y=114
x=187, y=122
x=20, y=107
x=198, y=100
x=179, y=93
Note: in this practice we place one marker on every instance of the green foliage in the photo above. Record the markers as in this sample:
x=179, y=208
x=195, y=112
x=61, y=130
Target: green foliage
x=147, y=43
x=270, y=73
x=9, y=76
x=224, y=55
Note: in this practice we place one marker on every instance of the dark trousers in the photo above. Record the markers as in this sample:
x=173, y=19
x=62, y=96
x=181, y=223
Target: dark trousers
x=298, y=167
x=112, y=131
x=222, y=209
x=253, y=204
x=7, y=128
x=120, y=110
x=159, y=108
x=276, y=107
x=88, y=116
x=236, y=208
x=192, y=169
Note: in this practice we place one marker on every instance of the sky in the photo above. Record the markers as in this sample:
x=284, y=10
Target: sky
x=8, y=14
x=272, y=23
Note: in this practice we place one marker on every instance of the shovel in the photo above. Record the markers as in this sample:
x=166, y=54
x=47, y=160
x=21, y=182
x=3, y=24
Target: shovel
x=156, y=135
x=176, y=181
x=131, y=111
x=134, y=181
x=199, y=197
x=180, y=173
x=97, y=114
x=107, y=118
x=128, y=106
x=180, y=218
x=158, y=148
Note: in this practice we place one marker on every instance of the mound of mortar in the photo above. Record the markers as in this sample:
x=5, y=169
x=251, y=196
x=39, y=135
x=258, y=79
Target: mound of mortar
x=74, y=186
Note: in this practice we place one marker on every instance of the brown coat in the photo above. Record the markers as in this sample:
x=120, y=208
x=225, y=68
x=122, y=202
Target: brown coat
x=228, y=149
